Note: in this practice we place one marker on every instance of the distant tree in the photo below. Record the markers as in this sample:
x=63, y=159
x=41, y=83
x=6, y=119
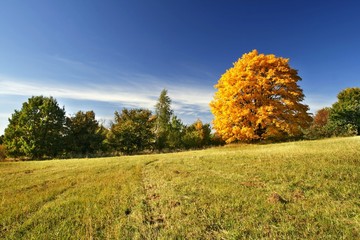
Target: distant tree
x=203, y=131
x=319, y=128
x=176, y=131
x=163, y=114
x=321, y=117
x=132, y=131
x=37, y=130
x=1, y=139
x=197, y=135
x=345, y=113
x=84, y=134
x=258, y=98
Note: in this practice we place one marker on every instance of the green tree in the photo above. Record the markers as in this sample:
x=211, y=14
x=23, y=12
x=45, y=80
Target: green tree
x=345, y=113
x=163, y=114
x=176, y=131
x=197, y=135
x=132, y=131
x=84, y=134
x=37, y=130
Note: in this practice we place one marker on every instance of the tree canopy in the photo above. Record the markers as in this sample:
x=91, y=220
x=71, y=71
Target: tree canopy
x=84, y=134
x=345, y=113
x=132, y=130
x=37, y=130
x=197, y=135
x=259, y=98
x=320, y=127
x=321, y=117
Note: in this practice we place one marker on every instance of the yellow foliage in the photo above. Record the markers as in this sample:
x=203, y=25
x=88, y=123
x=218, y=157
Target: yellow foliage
x=259, y=98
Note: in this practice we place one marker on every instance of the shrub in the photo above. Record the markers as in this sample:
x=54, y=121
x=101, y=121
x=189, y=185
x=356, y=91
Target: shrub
x=318, y=132
x=345, y=130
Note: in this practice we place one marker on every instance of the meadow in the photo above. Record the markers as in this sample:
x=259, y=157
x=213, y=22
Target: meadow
x=295, y=190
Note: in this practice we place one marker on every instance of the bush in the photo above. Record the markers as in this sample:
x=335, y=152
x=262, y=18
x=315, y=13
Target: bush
x=330, y=130
x=191, y=139
x=318, y=132
x=347, y=130
x=2, y=153
x=216, y=140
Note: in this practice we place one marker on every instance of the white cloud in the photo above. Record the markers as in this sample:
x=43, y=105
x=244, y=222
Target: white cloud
x=135, y=90
x=317, y=101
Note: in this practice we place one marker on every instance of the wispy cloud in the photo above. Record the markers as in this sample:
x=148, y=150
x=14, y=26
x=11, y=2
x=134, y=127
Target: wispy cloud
x=135, y=91
x=317, y=101
x=128, y=91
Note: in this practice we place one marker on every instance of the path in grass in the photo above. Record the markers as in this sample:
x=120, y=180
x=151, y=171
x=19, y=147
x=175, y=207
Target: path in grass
x=291, y=190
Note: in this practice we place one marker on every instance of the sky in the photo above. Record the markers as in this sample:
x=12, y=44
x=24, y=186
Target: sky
x=107, y=55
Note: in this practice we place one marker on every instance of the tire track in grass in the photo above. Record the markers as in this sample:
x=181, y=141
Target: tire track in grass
x=153, y=220
x=130, y=218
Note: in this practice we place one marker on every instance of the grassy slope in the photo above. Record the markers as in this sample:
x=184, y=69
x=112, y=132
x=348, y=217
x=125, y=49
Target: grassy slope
x=216, y=193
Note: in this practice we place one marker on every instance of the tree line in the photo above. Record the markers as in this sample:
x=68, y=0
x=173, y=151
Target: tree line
x=41, y=130
x=258, y=99
x=341, y=119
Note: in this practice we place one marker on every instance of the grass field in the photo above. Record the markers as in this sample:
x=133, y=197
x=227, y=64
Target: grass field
x=298, y=190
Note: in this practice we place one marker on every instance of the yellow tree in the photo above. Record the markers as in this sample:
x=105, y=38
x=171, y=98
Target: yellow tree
x=259, y=98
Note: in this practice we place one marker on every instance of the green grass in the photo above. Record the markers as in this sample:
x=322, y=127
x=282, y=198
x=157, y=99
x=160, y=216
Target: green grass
x=298, y=190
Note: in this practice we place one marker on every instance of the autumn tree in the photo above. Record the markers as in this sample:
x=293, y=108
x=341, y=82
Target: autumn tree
x=132, y=130
x=84, y=133
x=321, y=117
x=37, y=130
x=319, y=127
x=259, y=98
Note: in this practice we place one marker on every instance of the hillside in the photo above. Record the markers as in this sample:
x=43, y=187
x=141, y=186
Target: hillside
x=294, y=190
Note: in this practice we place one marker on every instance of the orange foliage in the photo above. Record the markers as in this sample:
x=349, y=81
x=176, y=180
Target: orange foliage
x=321, y=117
x=259, y=98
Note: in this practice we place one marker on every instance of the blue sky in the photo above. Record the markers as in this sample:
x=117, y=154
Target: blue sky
x=106, y=55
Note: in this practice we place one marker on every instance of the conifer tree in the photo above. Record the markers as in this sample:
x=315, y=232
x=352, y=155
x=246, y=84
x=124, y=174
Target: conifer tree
x=163, y=114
